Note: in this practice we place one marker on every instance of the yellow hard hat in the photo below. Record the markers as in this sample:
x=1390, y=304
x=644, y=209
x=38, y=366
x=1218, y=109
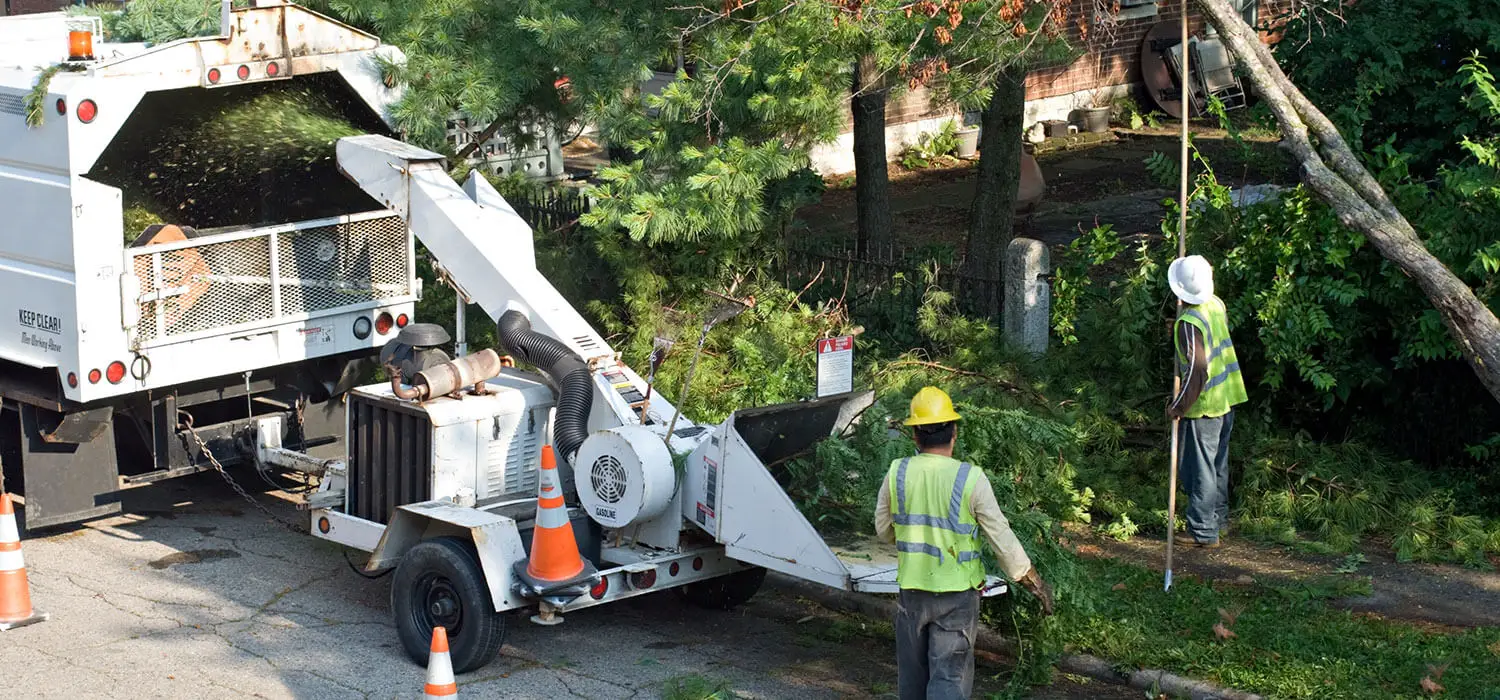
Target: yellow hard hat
x=930, y=406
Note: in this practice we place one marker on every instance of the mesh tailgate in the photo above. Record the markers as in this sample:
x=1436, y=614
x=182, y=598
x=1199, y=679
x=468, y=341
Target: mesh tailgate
x=231, y=283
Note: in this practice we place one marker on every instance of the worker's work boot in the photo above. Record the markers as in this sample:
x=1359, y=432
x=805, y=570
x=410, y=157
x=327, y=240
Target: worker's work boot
x=1188, y=541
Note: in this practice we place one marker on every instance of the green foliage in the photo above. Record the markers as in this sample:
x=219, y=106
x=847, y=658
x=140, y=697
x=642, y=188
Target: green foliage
x=1389, y=71
x=155, y=21
x=36, y=98
x=1129, y=112
x=161, y=21
x=499, y=61
x=931, y=147
x=214, y=159
x=1321, y=319
x=696, y=687
x=721, y=153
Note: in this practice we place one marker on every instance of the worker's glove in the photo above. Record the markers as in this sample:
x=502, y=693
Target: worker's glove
x=1039, y=588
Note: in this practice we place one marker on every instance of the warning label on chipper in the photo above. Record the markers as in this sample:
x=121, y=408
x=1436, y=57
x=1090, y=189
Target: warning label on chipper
x=835, y=365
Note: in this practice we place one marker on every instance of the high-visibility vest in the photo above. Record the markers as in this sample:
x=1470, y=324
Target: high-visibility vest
x=1224, y=388
x=937, y=537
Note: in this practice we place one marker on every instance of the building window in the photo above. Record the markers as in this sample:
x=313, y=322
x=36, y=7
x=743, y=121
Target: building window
x=1137, y=9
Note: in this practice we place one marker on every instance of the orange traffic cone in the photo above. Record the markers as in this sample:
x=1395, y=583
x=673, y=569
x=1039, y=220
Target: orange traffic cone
x=555, y=568
x=15, y=591
x=440, y=681
x=554, y=552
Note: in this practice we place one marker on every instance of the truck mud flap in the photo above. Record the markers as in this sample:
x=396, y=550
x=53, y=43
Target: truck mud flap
x=65, y=481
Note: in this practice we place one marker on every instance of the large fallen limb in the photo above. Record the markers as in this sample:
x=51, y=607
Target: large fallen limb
x=1334, y=172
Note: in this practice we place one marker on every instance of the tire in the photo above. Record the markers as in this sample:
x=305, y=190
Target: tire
x=725, y=592
x=440, y=582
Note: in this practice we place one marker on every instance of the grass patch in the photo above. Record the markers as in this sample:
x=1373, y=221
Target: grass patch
x=696, y=687
x=1281, y=645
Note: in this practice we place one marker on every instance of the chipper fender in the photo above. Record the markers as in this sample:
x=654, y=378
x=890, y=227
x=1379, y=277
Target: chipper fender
x=496, y=538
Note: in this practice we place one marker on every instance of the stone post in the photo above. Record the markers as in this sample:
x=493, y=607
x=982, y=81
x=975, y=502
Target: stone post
x=1028, y=297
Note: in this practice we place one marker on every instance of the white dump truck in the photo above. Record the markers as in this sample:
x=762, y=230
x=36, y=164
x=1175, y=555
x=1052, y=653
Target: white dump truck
x=235, y=313
x=434, y=473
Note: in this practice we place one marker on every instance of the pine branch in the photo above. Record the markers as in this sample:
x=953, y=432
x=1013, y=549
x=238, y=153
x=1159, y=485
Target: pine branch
x=1008, y=386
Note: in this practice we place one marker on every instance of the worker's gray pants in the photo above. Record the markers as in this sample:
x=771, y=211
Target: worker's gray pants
x=1205, y=474
x=935, y=644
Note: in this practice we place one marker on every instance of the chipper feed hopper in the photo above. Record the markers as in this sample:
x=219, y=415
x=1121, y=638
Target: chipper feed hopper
x=441, y=476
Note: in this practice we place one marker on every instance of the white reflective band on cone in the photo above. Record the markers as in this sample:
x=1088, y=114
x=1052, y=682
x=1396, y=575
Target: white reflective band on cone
x=8, y=530
x=12, y=561
x=552, y=517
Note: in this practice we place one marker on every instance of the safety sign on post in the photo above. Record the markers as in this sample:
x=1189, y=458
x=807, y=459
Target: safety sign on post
x=835, y=365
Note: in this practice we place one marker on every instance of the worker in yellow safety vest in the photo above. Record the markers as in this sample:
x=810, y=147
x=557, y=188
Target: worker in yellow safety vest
x=934, y=508
x=1211, y=388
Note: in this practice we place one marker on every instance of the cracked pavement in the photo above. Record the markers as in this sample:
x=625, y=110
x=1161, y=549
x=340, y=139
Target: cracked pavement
x=193, y=594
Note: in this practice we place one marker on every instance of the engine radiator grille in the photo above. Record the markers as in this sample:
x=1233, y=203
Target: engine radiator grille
x=390, y=452
x=263, y=276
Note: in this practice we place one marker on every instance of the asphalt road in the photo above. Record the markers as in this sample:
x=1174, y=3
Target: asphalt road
x=195, y=594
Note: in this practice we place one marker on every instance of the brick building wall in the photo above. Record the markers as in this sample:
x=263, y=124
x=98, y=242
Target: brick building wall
x=26, y=7
x=1112, y=67
x=1117, y=62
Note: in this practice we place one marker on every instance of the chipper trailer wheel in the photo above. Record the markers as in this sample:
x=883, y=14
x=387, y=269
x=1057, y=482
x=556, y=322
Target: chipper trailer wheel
x=439, y=583
x=725, y=592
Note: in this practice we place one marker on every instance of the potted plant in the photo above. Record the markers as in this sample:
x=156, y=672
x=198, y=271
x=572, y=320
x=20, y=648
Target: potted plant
x=1096, y=115
x=968, y=138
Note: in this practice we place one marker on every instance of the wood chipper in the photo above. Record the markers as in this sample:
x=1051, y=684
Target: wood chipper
x=441, y=478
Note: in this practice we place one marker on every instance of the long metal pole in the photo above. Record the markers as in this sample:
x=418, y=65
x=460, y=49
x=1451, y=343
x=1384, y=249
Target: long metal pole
x=1182, y=206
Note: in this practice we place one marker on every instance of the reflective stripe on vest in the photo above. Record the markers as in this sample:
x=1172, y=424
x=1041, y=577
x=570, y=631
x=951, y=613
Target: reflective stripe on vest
x=1224, y=387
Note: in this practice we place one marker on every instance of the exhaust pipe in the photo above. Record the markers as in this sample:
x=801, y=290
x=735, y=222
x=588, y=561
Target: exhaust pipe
x=450, y=377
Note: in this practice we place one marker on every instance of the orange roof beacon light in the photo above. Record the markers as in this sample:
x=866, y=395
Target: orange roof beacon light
x=80, y=45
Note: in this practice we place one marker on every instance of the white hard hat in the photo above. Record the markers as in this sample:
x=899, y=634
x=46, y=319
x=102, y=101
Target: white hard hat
x=1191, y=279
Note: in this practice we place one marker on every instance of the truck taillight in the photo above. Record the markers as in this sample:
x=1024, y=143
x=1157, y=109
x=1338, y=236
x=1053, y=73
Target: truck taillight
x=115, y=372
x=402, y=320
x=87, y=110
x=95, y=375
x=599, y=588
x=243, y=72
x=272, y=70
x=362, y=327
x=214, y=75
x=72, y=380
x=383, y=323
x=62, y=107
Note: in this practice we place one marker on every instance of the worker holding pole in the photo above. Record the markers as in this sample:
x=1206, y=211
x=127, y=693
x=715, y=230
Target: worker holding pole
x=1210, y=388
x=938, y=509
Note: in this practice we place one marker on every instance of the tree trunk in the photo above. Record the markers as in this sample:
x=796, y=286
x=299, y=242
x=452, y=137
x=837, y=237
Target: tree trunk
x=872, y=186
x=994, y=210
x=1333, y=171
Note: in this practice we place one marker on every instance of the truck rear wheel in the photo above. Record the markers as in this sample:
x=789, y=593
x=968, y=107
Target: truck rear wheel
x=440, y=583
x=725, y=592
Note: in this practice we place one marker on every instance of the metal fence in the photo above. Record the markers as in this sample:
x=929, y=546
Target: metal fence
x=548, y=208
x=883, y=286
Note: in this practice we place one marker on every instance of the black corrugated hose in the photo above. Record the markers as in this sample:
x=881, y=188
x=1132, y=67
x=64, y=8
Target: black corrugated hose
x=575, y=386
